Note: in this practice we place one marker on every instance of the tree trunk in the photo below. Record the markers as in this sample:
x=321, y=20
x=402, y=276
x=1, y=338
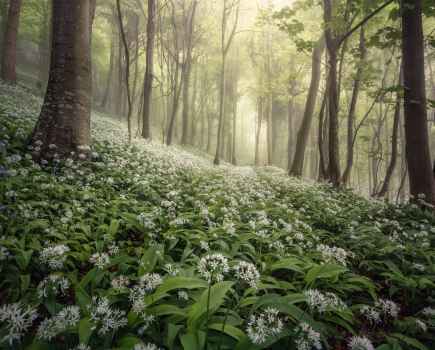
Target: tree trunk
x=394, y=145
x=320, y=139
x=186, y=70
x=65, y=116
x=302, y=138
x=9, y=59
x=333, y=142
x=352, y=108
x=43, y=46
x=258, y=131
x=421, y=178
x=149, y=70
x=108, y=87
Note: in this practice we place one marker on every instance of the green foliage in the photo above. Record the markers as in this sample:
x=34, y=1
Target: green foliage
x=136, y=221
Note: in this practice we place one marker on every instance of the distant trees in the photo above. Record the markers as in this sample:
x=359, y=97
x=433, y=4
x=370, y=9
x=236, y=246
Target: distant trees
x=64, y=122
x=9, y=49
x=421, y=177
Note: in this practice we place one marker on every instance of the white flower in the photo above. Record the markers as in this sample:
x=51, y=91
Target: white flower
x=53, y=285
x=264, y=325
x=360, y=343
x=51, y=327
x=4, y=253
x=371, y=314
x=120, y=282
x=54, y=256
x=82, y=346
x=323, y=302
x=213, y=267
x=147, y=321
x=421, y=325
x=248, y=273
x=147, y=283
x=182, y=295
x=171, y=270
x=105, y=318
x=307, y=338
x=100, y=260
x=388, y=308
x=17, y=319
x=148, y=346
x=333, y=254
x=204, y=246
x=150, y=281
x=428, y=312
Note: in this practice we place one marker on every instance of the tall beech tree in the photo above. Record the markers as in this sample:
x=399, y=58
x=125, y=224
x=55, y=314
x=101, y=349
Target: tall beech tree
x=149, y=70
x=421, y=178
x=304, y=130
x=9, y=55
x=64, y=122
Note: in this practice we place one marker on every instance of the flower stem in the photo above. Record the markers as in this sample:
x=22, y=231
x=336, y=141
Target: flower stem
x=207, y=312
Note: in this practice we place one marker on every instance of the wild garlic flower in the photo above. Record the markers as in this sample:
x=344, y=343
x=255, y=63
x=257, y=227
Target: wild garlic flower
x=82, y=346
x=422, y=326
x=113, y=249
x=213, y=267
x=52, y=327
x=147, y=321
x=204, y=246
x=17, y=319
x=307, y=337
x=120, y=282
x=388, y=308
x=150, y=281
x=333, y=254
x=100, y=260
x=4, y=253
x=322, y=302
x=248, y=273
x=360, y=343
x=264, y=325
x=148, y=346
x=105, y=318
x=53, y=285
x=428, y=312
x=371, y=314
x=171, y=269
x=54, y=256
x=147, y=283
x=182, y=295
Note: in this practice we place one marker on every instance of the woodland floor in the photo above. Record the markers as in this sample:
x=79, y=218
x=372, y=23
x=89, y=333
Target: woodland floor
x=126, y=245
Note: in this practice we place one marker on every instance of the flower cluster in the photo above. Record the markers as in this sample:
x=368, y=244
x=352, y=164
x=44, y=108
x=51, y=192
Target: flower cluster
x=51, y=327
x=333, y=254
x=54, y=256
x=263, y=326
x=388, y=308
x=360, y=343
x=213, y=267
x=148, y=346
x=371, y=314
x=100, y=260
x=120, y=282
x=248, y=273
x=53, y=285
x=147, y=283
x=105, y=318
x=322, y=302
x=307, y=337
x=17, y=319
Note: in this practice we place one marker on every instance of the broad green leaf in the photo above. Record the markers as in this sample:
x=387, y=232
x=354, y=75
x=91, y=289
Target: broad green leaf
x=230, y=330
x=331, y=271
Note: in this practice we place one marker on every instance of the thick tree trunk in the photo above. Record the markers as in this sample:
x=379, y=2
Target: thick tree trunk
x=149, y=70
x=9, y=57
x=302, y=138
x=352, y=108
x=65, y=116
x=421, y=178
x=44, y=47
x=333, y=142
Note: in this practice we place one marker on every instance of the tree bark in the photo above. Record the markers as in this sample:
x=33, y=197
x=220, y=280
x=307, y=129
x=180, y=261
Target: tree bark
x=304, y=130
x=333, y=142
x=149, y=70
x=352, y=108
x=108, y=87
x=421, y=178
x=65, y=116
x=186, y=72
x=9, y=58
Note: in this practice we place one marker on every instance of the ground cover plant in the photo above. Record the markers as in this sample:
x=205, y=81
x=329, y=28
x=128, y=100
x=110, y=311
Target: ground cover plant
x=150, y=247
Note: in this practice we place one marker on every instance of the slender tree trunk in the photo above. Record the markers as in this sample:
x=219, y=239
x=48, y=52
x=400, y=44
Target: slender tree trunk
x=290, y=122
x=334, y=144
x=352, y=108
x=233, y=149
x=149, y=70
x=394, y=145
x=304, y=130
x=43, y=46
x=186, y=72
x=110, y=73
x=258, y=130
x=65, y=116
x=9, y=56
x=421, y=178
x=127, y=68
x=320, y=139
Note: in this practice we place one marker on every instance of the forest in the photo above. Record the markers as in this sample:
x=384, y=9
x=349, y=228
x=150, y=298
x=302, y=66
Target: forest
x=217, y=174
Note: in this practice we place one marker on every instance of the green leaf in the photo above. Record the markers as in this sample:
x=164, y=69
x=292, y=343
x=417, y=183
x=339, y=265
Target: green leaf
x=148, y=261
x=331, y=271
x=85, y=330
x=193, y=340
x=409, y=341
x=199, y=309
x=230, y=330
x=173, y=283
x=292, y=264
x=173, y=330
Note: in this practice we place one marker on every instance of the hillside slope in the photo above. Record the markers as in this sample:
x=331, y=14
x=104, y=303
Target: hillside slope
x=153, y=245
